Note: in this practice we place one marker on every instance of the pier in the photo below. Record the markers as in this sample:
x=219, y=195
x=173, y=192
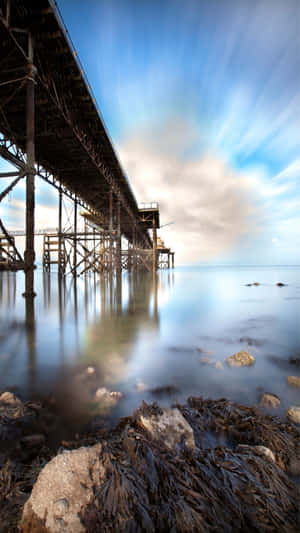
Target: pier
x=52, y=129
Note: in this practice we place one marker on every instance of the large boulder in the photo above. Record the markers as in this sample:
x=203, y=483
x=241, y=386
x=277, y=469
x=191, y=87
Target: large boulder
x=241, y=358
x=62, y=491
x=140, y=480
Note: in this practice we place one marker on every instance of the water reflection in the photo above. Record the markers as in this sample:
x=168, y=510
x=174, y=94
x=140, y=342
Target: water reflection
x=72, y=321
x=141, y=332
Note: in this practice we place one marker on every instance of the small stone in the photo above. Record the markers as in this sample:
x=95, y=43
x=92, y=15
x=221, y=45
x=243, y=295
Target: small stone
x=293, y=414
x=248, y=285
x=242, y=358
x=295, y=361
x=116, y=394
x=263, y=451
x=219, y=365
x=256, y=284
x=101, y=393
x=279, y=284
x=90, y=371
x=269, y=400
x=108, y=398
x=294, y=381
x=10, y=399
x=164, y=390
x=142, y=387
x=205, y=361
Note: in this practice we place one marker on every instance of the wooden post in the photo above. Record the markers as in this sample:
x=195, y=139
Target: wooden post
x=75, y=238
x=85, y=245
x=154, y=238
x=60, y=266
x=119, y=242
x=173, y=253
x=29, y=255
x=110, y=226
x=94, y=250
x=168, y=259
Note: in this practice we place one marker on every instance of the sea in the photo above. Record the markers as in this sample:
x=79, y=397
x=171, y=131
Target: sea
x=154, y=338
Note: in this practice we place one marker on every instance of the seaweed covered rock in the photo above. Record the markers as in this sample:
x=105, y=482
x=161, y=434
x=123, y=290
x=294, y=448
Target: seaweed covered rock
x=136, y=480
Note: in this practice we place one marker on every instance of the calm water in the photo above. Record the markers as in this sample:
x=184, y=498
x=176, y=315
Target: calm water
x=140, y=333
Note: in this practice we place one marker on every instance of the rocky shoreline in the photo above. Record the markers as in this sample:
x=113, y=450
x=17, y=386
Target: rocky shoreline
x=209, y=465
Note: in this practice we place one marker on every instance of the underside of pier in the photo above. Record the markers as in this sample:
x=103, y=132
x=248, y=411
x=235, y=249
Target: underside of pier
x=51, y=128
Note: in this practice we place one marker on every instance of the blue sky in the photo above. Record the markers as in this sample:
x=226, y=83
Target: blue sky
x=202, y=100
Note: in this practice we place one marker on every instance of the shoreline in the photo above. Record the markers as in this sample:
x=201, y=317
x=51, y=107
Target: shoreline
x=214, y=426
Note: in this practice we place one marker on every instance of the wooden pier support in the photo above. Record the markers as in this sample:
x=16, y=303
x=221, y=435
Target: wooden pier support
x=154, y=238
x=29, y=254
x=75, y=238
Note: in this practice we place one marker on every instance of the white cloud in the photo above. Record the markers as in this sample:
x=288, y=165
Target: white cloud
x=212, y=206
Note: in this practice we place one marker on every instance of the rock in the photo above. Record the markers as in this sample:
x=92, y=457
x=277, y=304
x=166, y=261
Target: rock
x=90, y=371
x=293, y=380
x=269, y=400
x=10, y=399
x=219, y=365
x=279, y=284
x=164, y=390
x=142, y=387
x=108, y=398
x=139, y=480
x=263, y=451
x=242, y=358
x=168, y=426
x=63, y=489
x=295, y=361
x=248, y=285
x=206, y=361
x=256, y=284
x=293, y=414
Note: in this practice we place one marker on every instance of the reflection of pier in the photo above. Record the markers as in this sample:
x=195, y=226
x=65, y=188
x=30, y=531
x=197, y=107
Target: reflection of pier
x=51, y=128
x=103, y=313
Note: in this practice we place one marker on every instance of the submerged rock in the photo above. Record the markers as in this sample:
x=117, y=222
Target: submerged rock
x=219, y=365
x=142, y=387
x=295, y=361
x=206, y=361
x=293, y=380
x=241, y=358
x=90, y=371
x=164, y=390
x=279, y=284
x=108, y=398
x=269, y=400
x=293, y=414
